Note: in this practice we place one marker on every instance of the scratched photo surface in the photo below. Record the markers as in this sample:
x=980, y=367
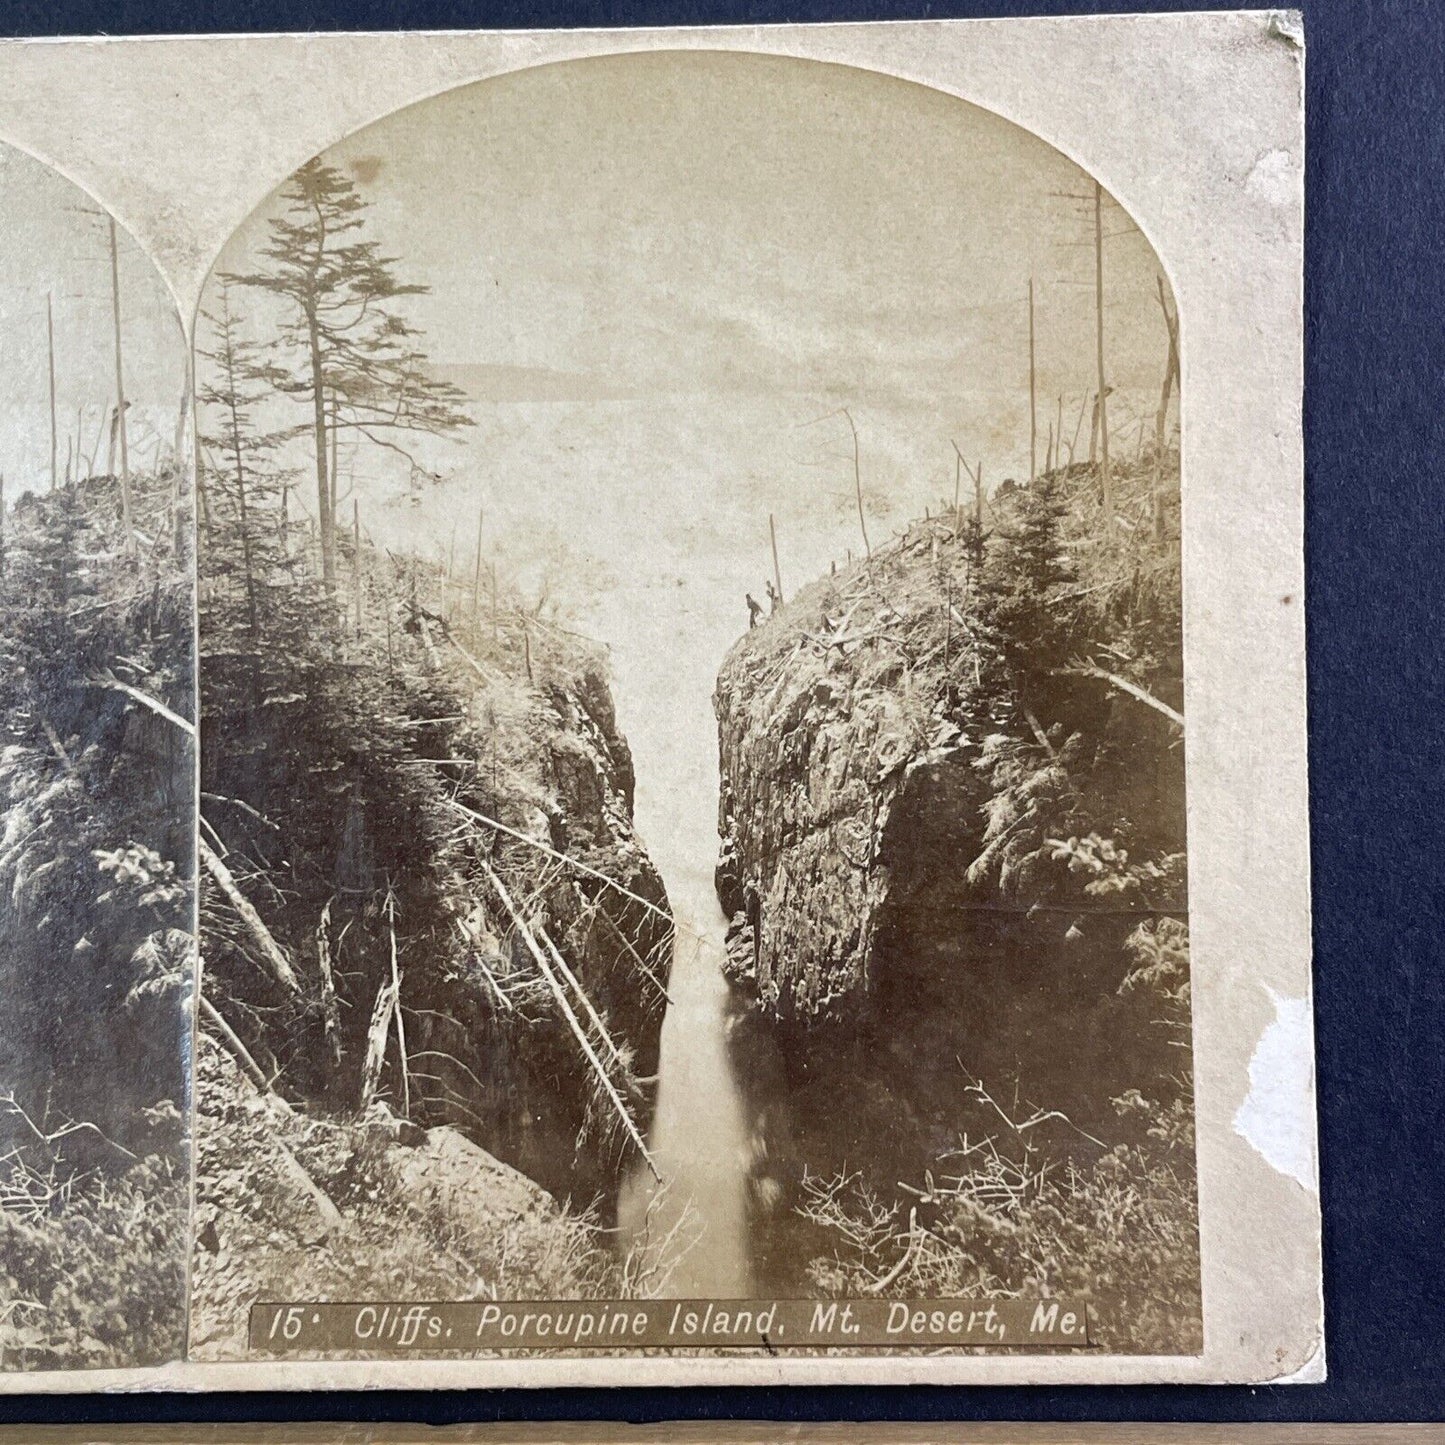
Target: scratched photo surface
x=96, y=787
x=691, y=692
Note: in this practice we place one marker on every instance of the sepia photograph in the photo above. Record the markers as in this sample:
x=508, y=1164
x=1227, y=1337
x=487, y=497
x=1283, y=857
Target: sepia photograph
x=656, y=714
x=97, y=790
x=691, y=687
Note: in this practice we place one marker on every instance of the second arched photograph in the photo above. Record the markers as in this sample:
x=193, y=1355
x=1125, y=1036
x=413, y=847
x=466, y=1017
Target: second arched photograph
x=691, y=710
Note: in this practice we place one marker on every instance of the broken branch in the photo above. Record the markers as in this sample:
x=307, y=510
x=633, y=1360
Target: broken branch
x=271, y=951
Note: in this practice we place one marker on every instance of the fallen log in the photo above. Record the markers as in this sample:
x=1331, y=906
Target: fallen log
x=572, y=1021
x=485, y=673
x=271, y=951
x=237, y=1049
x=396, y=999
x=330, y=1010
x=325, y=1207
x=1124, y=685
x=377, y=1034
x=114, y=684
x=600, y=912
x=577, y=988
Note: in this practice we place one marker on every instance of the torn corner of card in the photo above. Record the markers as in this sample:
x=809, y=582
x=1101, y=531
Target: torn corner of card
x=664, y=671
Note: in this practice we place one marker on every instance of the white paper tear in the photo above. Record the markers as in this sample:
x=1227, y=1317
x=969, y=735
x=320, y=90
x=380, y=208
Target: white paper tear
x=1277, y=1115
x=1312, y=1372
x=1274, y=177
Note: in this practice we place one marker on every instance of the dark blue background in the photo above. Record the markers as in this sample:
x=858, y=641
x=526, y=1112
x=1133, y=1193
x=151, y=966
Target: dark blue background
x=1375, y=435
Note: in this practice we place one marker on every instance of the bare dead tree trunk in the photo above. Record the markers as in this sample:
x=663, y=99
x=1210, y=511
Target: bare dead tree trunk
x=325, y=519
x=234, y=1046
x=777, y=571
x=858, y=483
x=1106, y=489
x=356, y=559
x=1033, y=406
x=50, y=346
x=377, y=1034
x=396, y=995
x=1161, y=417
x=125, y=512
x=330, y=1010
x=1078, y=427
x=228, y=362
x=477, y=572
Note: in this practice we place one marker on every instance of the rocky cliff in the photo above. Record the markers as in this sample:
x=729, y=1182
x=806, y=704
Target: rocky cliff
x=920, y=753
x=952, y=819
x=293, y=1207
x=433, y=824
x=844, y=782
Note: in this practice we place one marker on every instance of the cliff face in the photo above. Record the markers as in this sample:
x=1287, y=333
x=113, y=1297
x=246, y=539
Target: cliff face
x=913, y=743
x=507, y=1066
x=435, y=827
x=952, y=819
x=843, y=784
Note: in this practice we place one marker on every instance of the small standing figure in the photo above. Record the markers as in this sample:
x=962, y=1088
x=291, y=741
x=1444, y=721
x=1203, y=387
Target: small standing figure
x=755, y=610
x=775, y=599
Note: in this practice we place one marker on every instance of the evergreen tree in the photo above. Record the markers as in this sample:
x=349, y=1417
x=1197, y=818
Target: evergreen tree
x=245, y=481
x=355, y=360
x=1022, y=601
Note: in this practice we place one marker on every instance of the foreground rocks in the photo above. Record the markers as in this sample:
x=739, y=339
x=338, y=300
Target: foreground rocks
x=293, y=1207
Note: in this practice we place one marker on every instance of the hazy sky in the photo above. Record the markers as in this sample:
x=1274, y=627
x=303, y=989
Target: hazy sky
x=55, y=240
x=683, y=221
x=677, y=223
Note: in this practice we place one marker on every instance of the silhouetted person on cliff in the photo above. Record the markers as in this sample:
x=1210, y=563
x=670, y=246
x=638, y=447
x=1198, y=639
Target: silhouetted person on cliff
x=775, y=599
x=755, y=610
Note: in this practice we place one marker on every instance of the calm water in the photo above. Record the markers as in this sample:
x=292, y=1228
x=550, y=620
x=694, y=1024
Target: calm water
x=699, y=1141
x=667, y=638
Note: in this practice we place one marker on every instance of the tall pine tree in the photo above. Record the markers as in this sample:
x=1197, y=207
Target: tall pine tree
x=1029, y=620
x=356, y=361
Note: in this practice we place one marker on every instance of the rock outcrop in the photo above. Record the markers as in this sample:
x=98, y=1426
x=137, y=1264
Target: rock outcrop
x=845, y=790
x=294, y=1207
